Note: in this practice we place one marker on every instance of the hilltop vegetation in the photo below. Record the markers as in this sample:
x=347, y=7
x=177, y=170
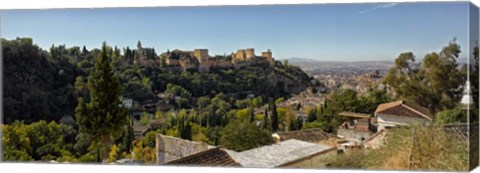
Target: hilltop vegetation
x=45, y=85
x=37, y=85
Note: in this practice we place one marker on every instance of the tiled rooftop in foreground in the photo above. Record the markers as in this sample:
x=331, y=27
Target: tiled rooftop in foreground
x=276, y=155
x=280, y=154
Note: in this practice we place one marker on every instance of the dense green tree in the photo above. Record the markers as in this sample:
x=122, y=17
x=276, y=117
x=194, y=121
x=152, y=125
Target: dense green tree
x=37, y=141
x=296, y=124
x=456, y=115
x=102, y=118
x=149, y=139
x=257, y=102
x=145, y=119
x=38, y=87
x=214, y=134
x=240, y=136
x=434, y=83
x=474, y=75
x=203, y=102
x=374, y=97
x=339, y=101
x=312, y=115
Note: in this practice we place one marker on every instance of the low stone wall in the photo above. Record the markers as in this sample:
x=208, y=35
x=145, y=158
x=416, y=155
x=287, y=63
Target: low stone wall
x=353, y=135
x=170, y=148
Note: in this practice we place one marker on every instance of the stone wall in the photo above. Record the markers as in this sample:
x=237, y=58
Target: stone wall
x=170, y=148
x=315, y=161
x=351, y=134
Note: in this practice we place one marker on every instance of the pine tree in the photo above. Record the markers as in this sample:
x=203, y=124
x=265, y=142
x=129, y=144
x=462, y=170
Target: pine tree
x=102, y=118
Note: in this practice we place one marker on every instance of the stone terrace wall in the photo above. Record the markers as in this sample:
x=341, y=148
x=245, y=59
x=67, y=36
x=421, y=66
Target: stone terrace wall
x=170, y=148
x=351, y=134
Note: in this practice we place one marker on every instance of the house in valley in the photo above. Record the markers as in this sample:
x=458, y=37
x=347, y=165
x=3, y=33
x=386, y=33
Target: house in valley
x=401, y=113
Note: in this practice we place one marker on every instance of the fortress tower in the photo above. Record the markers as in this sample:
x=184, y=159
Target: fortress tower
x=268, y=56
x=250, y=53
x=201, y=55
x=240, y=55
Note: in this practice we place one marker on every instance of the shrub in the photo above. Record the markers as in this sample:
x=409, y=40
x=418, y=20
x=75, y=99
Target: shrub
x=411, y=148
x=88, y=158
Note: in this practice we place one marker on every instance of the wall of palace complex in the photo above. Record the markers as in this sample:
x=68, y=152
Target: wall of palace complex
x=199, y=59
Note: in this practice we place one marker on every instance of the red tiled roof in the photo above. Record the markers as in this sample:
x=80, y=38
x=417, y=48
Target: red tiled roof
x=354, y=114
x=213, y=157
x=401, y=108
x=361, y=128
x=309, y=135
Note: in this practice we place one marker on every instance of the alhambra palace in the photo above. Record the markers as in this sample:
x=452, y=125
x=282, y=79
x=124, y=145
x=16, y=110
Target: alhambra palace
x=200, y=60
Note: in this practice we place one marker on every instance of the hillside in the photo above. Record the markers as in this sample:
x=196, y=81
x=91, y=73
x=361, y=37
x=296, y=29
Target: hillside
x=45, y=85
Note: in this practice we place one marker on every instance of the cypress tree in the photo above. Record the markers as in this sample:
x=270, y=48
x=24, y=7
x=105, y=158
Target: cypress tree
x=188, y=131
x=181, y=129
x=312, y=115
x=274, y=118
x=84, y=51
x=128, y=138
x=251, y=114
x=265, y=120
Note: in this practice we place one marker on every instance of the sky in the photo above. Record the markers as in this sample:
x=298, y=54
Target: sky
x=326, y=32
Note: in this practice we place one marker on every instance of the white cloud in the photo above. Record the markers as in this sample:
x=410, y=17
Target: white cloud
x=382, y=6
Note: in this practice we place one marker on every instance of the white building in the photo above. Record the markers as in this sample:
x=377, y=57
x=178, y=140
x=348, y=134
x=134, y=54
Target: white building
x=467, y=99
x=127, y=102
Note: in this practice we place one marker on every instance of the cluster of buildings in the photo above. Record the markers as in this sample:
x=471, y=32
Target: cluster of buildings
x=311, y=148
x=304, y=101
x=368, y=131
x=199, y=59
x=360, y=83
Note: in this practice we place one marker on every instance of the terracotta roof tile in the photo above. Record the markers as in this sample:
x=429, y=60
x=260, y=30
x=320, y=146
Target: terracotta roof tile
x=213, y=157
x=401, y=108
x=310, y=135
